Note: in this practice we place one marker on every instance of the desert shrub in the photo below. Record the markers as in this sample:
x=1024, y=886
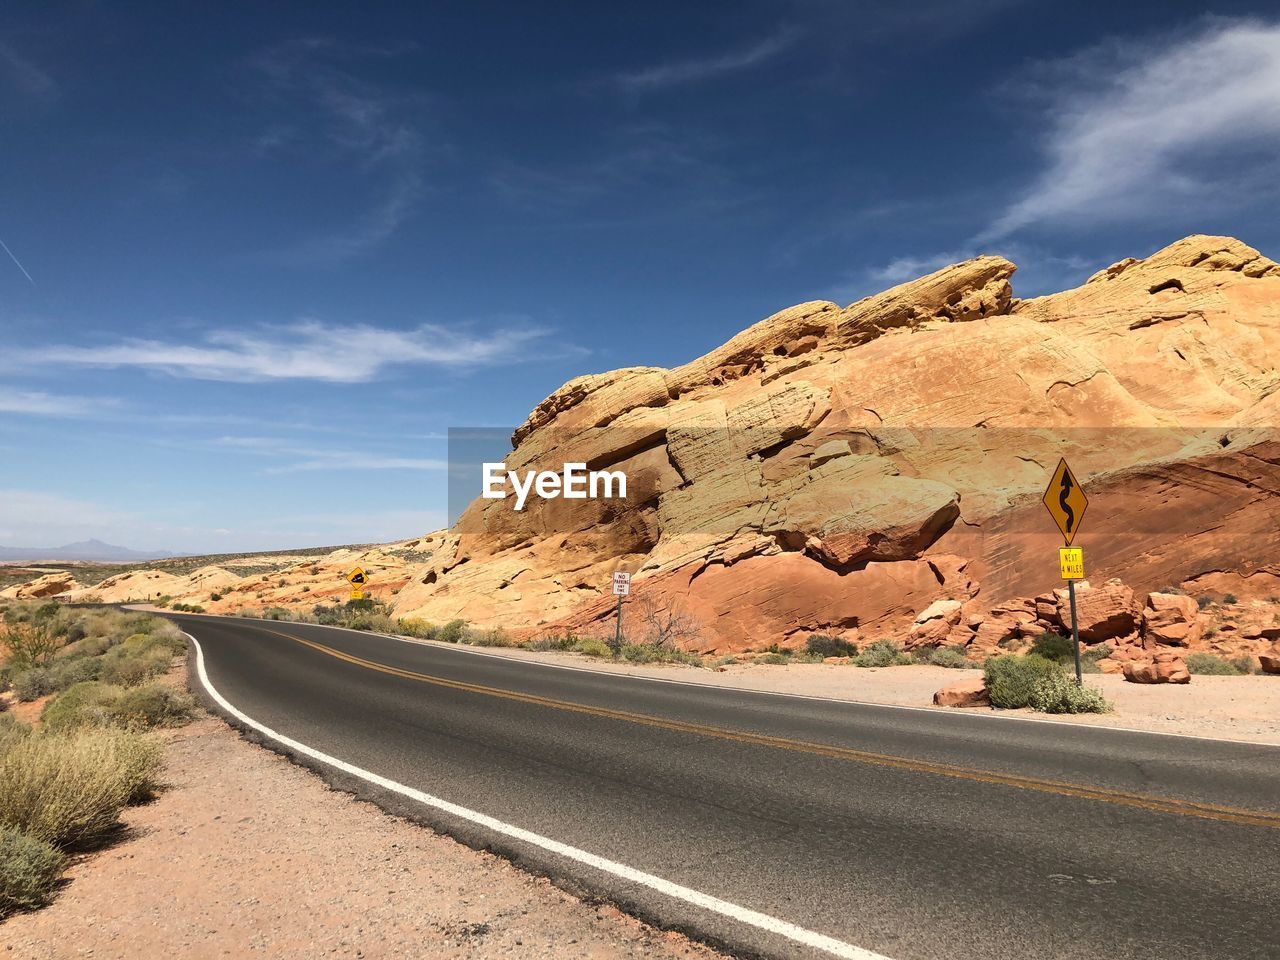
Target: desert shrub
x=155, y=705
x=11, y=731
x=452, y=631
x=950, y=657
x=30, y=642
x=541, y=644
x=1206, y=664
x=86, y=704
x=726, y=661
x=667, y=626
x=882, y=653
x=275, y=613
x=773, y=658
x=656, y=653
x=592, y=647
x=1229, y=599
x=1203, y=602
x=1097, y=652
x=215, y=597
x=129, y=666
x=68, y=790
x=1059, y=693
x=33, y=683
x=494, y=637
x=1243, y=663
x=416, y=627
x=1053, y=646
x=825, y=645
x=29, y=871
x=1011, y=679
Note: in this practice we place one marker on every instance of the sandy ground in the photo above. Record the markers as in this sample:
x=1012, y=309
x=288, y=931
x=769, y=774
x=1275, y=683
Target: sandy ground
x=248, y=855
x=1231, y=708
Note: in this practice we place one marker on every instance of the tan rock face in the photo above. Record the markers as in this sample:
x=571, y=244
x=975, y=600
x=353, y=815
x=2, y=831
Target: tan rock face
x=812, y=472
x=49, y=585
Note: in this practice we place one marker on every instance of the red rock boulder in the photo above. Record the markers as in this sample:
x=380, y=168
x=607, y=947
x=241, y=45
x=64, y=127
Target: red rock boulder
x=1171, y=620
x=1165, y=667
x=1270, y=662
x=970, y=692
x=1103, y=613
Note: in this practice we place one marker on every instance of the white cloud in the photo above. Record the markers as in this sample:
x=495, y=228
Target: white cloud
x=680, y=72
x=314, y=458
x=1128, y=129
x=47, y=404
x=23, y=73
x=309, y=350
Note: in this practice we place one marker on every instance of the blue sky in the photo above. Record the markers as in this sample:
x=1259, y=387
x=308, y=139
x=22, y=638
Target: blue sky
x=264, y=257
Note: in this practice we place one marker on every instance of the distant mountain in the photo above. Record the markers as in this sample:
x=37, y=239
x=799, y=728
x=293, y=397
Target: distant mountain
x=87, y=550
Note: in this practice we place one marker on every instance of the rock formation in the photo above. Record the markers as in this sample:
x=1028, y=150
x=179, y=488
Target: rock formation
x=837, y=468
x=875, y=470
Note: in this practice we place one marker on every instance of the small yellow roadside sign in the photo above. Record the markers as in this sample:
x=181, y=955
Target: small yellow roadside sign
x=1065, y=501
x=1071, y=562
x=357, y=576
x=357, y=593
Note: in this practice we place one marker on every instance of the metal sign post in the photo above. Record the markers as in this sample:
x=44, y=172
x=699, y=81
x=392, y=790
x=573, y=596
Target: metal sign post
x=621, y=588
x=1067, y=503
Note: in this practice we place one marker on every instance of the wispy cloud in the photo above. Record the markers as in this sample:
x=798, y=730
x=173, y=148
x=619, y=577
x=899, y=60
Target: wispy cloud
x=23, y=73
x=17, y=263
x=331, y=112
x=309, y=350
x=305, y=459
x=680, y=72
x=46, y=404
x=1129, y=128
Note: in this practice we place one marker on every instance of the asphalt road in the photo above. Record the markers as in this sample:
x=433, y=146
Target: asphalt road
x=783, y=826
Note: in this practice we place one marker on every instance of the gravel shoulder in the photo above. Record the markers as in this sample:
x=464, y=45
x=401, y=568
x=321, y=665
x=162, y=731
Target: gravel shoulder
x=1228, y=708
x=246, y=854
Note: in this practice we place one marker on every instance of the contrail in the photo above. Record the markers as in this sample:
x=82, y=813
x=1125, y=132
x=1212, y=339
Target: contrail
x=16, y=262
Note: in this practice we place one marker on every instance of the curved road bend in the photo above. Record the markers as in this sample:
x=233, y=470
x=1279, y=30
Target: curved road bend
x=787, y=827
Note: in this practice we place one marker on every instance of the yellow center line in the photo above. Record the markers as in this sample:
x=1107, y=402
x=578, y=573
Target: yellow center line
x=1157, y=804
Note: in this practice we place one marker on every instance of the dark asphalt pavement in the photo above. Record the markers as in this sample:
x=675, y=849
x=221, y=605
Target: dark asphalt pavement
x=911, y=834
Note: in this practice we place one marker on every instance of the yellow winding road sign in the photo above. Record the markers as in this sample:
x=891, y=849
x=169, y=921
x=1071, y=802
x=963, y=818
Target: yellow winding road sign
x=1065, y=501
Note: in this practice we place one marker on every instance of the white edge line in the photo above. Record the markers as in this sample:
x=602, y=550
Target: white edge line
x=936, y=711
x=667, y=888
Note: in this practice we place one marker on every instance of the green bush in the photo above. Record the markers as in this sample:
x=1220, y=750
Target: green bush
x=774, y=658
x=592, y=647
x=33, y=683
x=1229, y=599
x=882, y=653
x=1203, y=602
x=155, y=705
x=452, y=631
x=129, y=666
x=29, y=871
x=1054, y=646
x=950, y=657
x=494, y=637
x=1243, y=663
x=657, y=653
x=825, y=645
x=1097, y=652
x=68, y=790
x=1059, y=693
x=1206, y=664
x=416, y=627
x=91, y=703
x=1011, y=679
x=543, y=644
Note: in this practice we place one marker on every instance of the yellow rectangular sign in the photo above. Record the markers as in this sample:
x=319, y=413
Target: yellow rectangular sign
x=1071, y=562
x=357, y=594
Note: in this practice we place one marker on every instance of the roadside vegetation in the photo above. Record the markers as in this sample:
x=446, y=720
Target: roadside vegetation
x=65, y=781
x=1041, y=683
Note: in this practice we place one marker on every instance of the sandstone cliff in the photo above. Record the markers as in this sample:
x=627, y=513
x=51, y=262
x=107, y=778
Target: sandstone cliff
x=839, y=468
